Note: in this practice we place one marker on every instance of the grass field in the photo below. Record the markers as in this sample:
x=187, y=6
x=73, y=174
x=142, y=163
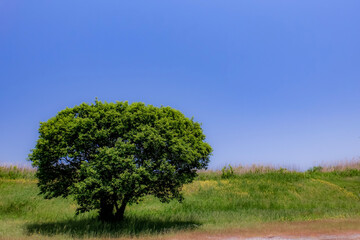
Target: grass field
x=244, y=199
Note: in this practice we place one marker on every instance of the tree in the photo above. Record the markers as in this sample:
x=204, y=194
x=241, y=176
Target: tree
x=108, y=155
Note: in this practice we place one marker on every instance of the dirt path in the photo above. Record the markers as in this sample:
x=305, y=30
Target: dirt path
x=321, y=237
x=346, y=236
x=344, y=229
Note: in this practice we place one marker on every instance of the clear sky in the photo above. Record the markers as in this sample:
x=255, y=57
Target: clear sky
x=273, y=82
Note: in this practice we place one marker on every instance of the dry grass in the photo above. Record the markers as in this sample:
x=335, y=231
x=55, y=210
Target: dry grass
x=261, y=169
x=17, y=172
x=254, y=169
x=18, y=168
x=246, y=169
x=342, y=165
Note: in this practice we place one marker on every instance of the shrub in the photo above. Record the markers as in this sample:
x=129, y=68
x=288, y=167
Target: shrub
x=227, y=172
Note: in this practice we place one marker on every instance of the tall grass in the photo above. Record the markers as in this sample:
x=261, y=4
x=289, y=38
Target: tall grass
x=247, y=197
x=342, y=165
x=15, y=172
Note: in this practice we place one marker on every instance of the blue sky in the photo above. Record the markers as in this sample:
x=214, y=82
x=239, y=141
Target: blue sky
x=273, y=82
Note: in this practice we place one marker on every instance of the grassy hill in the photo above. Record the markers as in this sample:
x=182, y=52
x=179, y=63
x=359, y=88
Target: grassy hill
x=215, y=201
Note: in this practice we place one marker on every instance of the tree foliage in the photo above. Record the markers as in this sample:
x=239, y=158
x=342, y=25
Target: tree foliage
x=108, y=155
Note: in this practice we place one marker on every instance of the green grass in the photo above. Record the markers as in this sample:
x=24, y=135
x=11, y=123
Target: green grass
x=211, y=202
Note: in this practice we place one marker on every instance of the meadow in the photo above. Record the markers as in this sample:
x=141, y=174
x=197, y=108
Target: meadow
x=234, y=198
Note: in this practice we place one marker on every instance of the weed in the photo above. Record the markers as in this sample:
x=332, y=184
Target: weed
x=315, y=169
x=227, y=172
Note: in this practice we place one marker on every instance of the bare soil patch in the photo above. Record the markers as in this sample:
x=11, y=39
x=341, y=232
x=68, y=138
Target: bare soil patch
x=322, y=229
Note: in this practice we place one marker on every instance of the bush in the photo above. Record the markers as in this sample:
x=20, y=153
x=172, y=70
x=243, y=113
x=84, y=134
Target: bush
x=316, y=169
x=227, y=172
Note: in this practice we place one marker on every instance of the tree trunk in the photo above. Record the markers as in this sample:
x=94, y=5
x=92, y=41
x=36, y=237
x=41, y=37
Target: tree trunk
x=119, y=215
x=106, y=210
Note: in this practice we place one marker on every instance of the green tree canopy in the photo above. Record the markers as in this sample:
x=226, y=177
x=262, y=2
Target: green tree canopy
x=108, y=155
